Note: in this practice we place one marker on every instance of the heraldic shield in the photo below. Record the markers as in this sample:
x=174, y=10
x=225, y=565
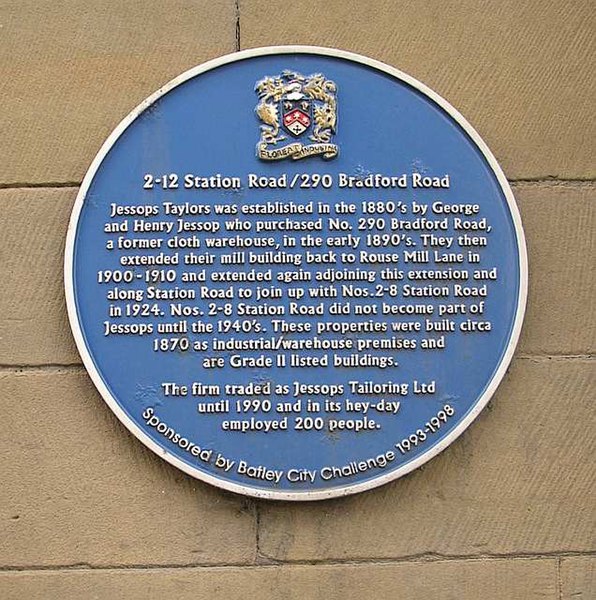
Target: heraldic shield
x=296, y=114
x=299, y=110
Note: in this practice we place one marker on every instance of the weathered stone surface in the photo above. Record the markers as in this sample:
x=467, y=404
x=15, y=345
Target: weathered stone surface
x=520, y=72
x=77, y=488
x=560, y=227
x=560, y=221
x=578, y=578
x=519, y=480
x=34, y=327
x=453, y=580
x=72, y=70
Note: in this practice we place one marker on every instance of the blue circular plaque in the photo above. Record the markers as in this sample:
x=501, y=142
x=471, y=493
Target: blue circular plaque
x=295, y=273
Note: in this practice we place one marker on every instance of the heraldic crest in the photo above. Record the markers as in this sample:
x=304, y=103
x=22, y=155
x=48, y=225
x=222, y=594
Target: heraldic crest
x=298, y=116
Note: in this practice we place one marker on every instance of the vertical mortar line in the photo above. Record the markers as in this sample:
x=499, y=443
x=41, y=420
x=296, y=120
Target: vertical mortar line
x=257, y=530
x=559, y=580
x=237, y=16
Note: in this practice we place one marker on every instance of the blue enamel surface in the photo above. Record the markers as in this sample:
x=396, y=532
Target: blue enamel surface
x=206, y=126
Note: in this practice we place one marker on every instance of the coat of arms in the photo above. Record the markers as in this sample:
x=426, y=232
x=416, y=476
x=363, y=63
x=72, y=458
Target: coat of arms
x=298, y=116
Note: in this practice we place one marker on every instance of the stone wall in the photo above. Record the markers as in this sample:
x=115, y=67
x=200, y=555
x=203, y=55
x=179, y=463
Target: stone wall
x=507, y=511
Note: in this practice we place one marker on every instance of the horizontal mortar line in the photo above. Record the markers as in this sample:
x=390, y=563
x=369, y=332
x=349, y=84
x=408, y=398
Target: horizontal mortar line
x=50, y=367
x=514, y=182
x=42, y=184
x=428, y=558
x=554, y=357
x=81, y=567
x=568, y=185
x=420, y=558
x=555, y=180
